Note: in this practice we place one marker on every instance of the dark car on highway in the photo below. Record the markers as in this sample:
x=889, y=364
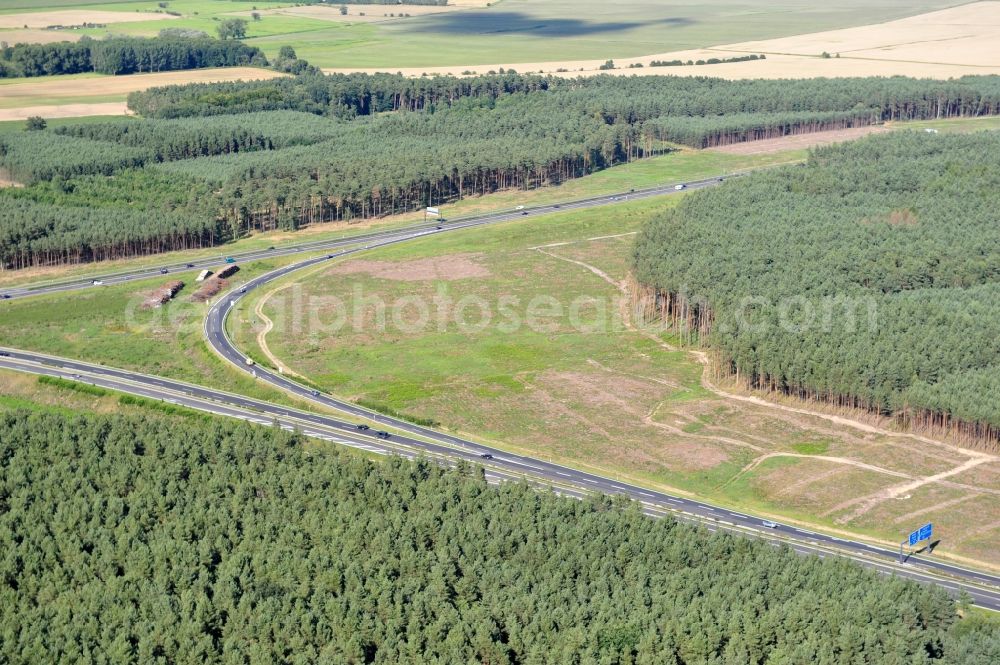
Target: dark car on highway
x=382, y=435
x=363, y=428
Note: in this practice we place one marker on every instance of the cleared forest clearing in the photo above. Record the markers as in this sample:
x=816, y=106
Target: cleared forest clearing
x=619, y=401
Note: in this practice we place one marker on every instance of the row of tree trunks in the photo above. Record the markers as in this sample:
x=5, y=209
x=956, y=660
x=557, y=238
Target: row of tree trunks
x=764, y=133
x=691, y=321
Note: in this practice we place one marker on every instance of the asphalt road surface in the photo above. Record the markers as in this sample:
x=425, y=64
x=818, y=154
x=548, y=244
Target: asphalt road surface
x=413, y=441
x=404, y=438
x=375, y=237
x=216, y=334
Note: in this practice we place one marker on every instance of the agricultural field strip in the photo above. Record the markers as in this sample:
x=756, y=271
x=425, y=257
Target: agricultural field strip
x=403, y=232
x=218, y=338
x=503, y=467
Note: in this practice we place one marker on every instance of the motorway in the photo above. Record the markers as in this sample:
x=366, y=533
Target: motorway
x=374, y=237
x=412, y=440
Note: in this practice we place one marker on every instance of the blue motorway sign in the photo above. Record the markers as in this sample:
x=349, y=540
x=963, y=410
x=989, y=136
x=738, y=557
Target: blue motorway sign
x=923, y=533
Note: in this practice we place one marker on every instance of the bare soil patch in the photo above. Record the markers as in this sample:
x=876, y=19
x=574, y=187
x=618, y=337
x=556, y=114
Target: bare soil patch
x=437, y=268
x=75, y=17
x=798, y=141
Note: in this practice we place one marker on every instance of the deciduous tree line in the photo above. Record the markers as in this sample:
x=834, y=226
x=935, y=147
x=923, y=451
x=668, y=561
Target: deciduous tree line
x=125, y=55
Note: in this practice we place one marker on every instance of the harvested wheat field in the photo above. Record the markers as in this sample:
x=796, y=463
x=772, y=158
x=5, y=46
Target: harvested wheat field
x=968, y=35
x=75, y=17
x=942, y=44
x=64, y=111
x=85, y=90
x=38, y=36
x=122, y=85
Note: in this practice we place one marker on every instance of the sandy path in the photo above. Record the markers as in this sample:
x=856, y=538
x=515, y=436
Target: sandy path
x=865, y=504
x=823, y=458
x=262, y=335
